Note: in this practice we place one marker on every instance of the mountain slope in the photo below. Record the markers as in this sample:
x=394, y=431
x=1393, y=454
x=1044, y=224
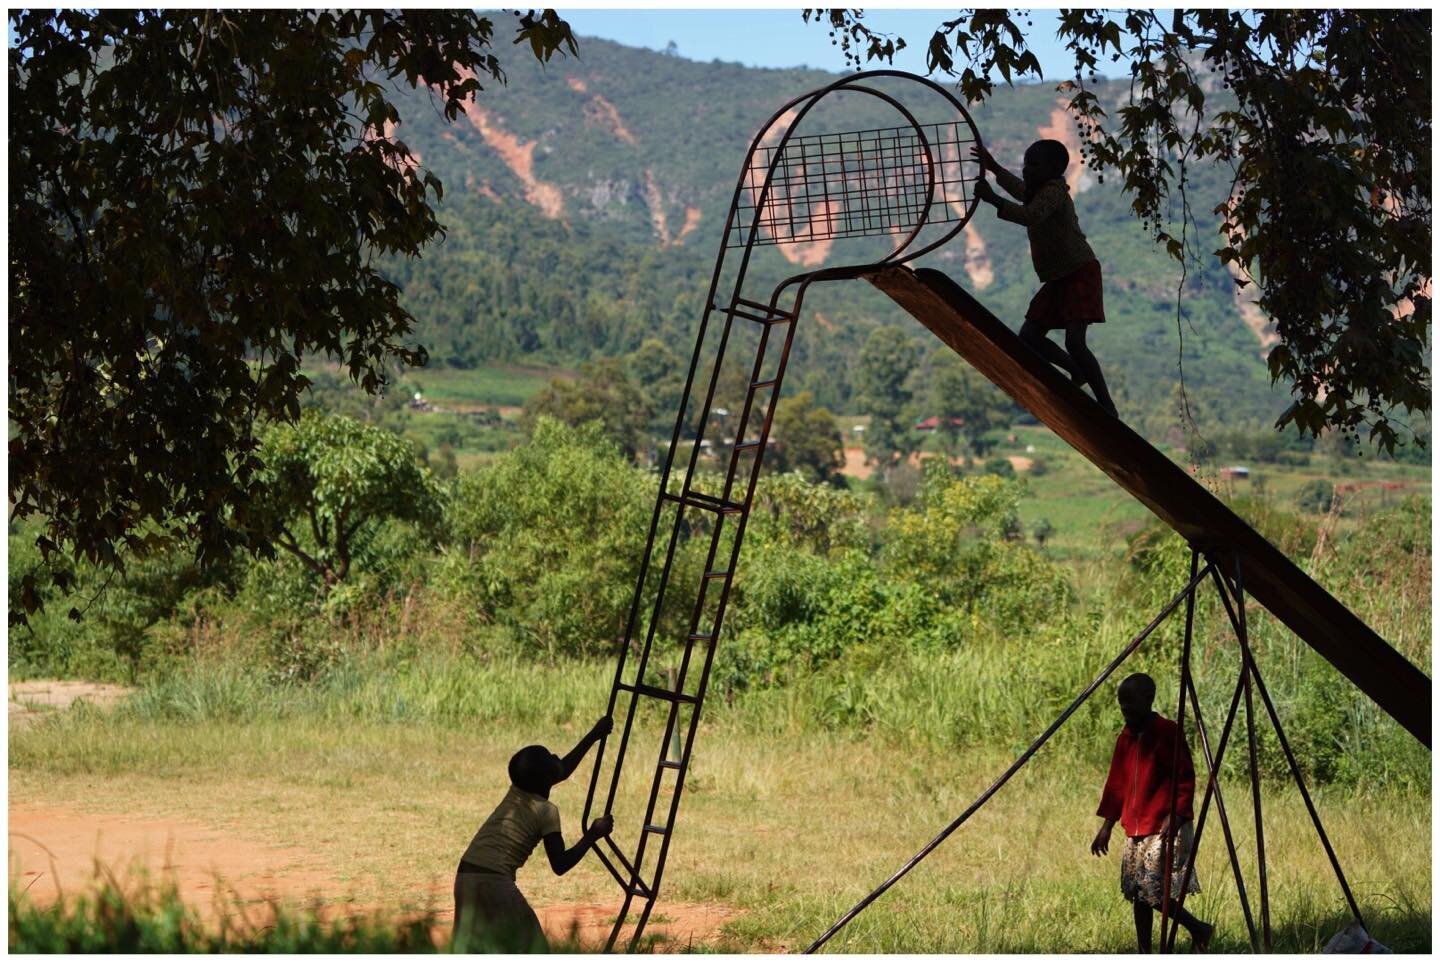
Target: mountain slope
x=585, y=202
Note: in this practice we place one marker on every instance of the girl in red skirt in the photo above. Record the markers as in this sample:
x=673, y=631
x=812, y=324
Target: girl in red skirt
x=1070, y=299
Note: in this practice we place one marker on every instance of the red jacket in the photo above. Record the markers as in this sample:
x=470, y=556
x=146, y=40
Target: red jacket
x=1144, y=766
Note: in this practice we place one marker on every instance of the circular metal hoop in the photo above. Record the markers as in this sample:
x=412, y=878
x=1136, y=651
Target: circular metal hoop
x=831, y=186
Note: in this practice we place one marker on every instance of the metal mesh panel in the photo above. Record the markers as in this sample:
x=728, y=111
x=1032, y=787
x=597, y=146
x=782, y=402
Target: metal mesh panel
x=856, y=184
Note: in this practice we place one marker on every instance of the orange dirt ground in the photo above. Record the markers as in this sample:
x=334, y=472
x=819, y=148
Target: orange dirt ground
x=58, y=850
x=55, y=851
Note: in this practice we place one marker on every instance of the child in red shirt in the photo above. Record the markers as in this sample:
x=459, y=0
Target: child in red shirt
x=1070, y=296
x=1143, y=771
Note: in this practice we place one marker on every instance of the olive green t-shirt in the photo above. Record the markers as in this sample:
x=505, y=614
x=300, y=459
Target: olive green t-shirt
x=509, y=836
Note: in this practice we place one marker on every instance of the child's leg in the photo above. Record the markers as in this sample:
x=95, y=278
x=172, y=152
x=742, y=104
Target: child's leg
x=1143, y=916
x=1199, y=930
x=1033, y=334
x=1085, y=361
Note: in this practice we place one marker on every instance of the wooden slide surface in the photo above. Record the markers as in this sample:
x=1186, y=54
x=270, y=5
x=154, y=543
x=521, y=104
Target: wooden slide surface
x=1166, y=489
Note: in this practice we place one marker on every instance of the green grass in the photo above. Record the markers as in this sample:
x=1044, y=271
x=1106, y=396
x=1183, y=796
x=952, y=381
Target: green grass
x=790, y=820
x=1092, y=516
x=492, y=385
x=155, y=919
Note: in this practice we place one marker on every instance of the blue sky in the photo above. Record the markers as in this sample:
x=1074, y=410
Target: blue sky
x=781, y=38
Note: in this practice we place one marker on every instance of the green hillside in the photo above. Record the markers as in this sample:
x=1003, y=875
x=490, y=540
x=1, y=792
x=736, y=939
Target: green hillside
x=585, y=252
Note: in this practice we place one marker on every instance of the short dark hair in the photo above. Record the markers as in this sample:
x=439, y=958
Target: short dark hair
x=527, y=768
x=1052, y=156
x=1141, y=684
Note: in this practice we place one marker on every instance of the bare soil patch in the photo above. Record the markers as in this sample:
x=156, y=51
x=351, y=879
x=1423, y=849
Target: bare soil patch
x=58, y=852
x=673, y=926
x=30, y=701
x=855, y=466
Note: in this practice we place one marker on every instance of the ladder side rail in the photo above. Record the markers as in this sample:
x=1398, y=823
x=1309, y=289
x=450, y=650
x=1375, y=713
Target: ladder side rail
x=746, y=174
x=725, y=592
x=702, y=595
x=649, y=547
x=762, y=197
x=695, y=358
x=664, y=579
x=812, y=98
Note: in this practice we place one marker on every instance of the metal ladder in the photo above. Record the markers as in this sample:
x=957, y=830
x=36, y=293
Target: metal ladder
x=727, y=512
x=880, y=181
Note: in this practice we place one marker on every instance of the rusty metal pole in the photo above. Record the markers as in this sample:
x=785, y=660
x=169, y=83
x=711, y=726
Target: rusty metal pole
x=1015, y=767
x=1295, y=772
x=1242, y=632
x=1212, y=788
x=1171, y=833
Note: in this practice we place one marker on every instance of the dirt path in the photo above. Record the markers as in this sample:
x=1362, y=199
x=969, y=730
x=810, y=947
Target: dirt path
x=30, y=701
x=55, y=851
x=58, y=851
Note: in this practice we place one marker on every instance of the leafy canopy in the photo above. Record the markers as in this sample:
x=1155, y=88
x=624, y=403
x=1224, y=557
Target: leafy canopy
x=883, y=369
x=550, y=537
x=328, y=477
x=601, y=392
x=805, y=440
x=1322, y=115
x=197, y=199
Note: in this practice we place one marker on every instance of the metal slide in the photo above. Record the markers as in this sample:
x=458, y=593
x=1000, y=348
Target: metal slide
x=1177, y=499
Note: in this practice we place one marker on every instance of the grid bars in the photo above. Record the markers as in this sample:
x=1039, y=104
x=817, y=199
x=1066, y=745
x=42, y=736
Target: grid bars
x=856, y=184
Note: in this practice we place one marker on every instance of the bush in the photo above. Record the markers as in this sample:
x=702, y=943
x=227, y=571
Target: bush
x=1316, y=497
x=999, y=466
x=552, y=535
x=960, y=546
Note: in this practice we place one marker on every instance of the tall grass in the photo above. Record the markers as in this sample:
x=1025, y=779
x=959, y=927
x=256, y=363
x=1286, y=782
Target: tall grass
x=157, y=920
x=788, y=815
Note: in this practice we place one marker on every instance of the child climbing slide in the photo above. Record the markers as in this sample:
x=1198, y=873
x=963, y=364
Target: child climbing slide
x=1070, y=298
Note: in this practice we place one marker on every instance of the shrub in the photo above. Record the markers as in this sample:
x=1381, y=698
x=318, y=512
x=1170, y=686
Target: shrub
x=1316, y=497
x=552, y=535
x=999, y=466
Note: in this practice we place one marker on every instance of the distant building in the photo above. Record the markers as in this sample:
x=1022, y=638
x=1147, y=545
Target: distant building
x=1235, y=471
x=933, y=422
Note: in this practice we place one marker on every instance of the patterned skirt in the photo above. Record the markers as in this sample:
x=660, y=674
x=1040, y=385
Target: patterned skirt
x=1142, y=867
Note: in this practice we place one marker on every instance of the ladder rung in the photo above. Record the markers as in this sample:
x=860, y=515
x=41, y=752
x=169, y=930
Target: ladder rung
x=640, y=890
x=767, y=383
x=747, y=445
x=671, y=764
x=717, y=574
x=757, y=319
x=700, y=637
x=658, y=693
x=652, y=828
x=769, y=315
x=697, y=500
